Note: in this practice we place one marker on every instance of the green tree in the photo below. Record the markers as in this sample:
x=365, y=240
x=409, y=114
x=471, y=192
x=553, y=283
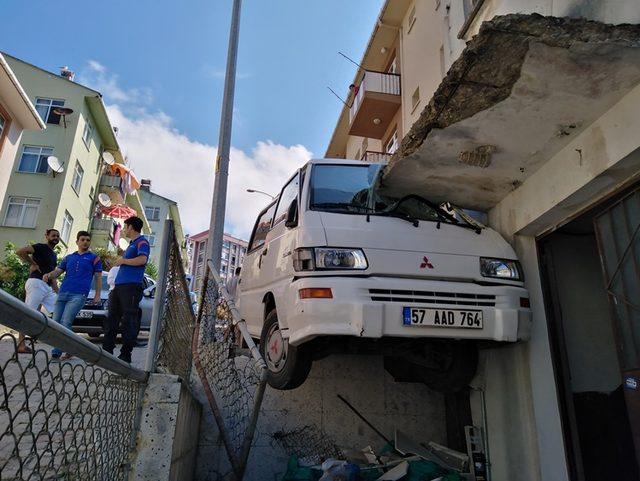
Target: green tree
x=13, y=272
x=151, y=270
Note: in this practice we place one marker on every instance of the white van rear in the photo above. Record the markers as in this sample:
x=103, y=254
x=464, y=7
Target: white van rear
x=338, y=263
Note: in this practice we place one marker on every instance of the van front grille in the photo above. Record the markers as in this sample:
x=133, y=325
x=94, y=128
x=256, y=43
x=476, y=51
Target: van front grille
x=430, y=297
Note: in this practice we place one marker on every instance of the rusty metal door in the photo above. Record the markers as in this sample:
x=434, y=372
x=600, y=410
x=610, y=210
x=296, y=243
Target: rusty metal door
x=618, y=234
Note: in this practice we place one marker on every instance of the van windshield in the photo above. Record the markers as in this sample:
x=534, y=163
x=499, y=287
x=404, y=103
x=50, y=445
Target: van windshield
x=354, y=189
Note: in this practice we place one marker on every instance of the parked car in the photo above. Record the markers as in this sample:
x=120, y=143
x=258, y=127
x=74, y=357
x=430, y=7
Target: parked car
x=91, y=317
x=337, y=263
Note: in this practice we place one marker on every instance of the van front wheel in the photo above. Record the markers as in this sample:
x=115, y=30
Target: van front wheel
x=288, y=366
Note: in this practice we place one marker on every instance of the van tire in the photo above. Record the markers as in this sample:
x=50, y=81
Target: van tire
x=297, y=362
x=459, y=365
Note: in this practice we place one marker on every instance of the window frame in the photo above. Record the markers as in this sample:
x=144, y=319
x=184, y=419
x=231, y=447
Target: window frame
x=42, y=101
x=11, y=200
x=155, y=210
x=86, y=139
x=250, y=247
x=393, y=138
x=75, y=176
x=276, y=220
x=40, y=158
x=6, y=125
x=152, y=239
x=64, y=224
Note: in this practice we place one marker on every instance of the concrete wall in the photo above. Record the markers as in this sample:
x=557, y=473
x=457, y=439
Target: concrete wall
x=410, y=407
x=9, y=149
x=606, y=11
x=56, y=194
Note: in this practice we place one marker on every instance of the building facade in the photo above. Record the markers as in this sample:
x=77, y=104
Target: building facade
x=158, y=209
x=526, y=111
x=233, y=252
x=17, y=113
x=78, y=132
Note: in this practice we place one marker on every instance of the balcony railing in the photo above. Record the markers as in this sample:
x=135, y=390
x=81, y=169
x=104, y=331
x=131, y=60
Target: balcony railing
x=372, y=156
x=102, y=224
x=375, y=104
x=112, y=185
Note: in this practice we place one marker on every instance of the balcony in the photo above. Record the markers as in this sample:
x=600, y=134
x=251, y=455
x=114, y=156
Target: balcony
x=371, y=156
x=102, y=224
x=112, y=186
x=375, y=104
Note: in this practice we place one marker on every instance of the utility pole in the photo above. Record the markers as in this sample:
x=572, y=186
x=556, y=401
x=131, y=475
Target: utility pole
x=218, y=205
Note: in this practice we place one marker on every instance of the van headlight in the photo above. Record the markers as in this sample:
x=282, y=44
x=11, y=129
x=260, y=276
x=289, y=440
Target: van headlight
x=327, y=258
x=500, y=269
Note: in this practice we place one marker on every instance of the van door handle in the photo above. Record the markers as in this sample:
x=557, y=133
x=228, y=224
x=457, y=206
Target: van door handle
x=262, y=254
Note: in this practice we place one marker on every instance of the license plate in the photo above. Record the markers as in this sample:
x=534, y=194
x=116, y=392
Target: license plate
x=85, y=314
x=417, y=316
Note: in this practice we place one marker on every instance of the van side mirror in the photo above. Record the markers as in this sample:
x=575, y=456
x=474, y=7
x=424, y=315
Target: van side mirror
x=292, y=215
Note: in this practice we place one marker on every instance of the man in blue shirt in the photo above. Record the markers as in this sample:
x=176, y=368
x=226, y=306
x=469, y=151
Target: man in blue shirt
x=80, y=268
x=127, y=293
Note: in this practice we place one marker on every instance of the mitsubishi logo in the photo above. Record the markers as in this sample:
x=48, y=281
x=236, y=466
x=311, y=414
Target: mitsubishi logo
x=426, y=263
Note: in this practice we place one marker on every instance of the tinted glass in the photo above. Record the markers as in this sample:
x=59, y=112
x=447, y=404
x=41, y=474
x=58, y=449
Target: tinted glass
x=289, y=193
x=262, y=227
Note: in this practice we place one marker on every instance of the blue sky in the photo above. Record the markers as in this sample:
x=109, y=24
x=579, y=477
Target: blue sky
x=160, y=67
x=177, y=50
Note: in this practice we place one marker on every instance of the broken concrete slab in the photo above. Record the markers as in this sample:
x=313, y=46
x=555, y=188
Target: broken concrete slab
x=520, y=91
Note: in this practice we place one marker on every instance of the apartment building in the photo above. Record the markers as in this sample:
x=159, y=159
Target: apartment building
x=528, y=112
x=78, y=132
x=17, y=113
x=157, y=209
x=233, y=252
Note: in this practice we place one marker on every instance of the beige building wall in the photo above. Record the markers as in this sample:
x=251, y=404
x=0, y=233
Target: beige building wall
x=8, y=149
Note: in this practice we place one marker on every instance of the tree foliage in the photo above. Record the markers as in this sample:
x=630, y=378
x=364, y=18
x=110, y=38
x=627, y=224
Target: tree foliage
x=13, y=272
x=151, y=270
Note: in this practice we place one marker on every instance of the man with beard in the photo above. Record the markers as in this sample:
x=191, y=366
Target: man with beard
x=41, y=259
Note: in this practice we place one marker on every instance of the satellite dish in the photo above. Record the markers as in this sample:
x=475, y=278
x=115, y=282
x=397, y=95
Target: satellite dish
x=123, y=244
x=104, y=200
x=108, y=158
x=55, y=165
x=63, y=112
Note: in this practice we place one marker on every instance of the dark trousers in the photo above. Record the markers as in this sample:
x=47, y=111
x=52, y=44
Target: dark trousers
x=123, y=309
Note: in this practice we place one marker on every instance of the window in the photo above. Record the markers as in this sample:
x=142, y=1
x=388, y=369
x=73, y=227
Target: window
x=22, y=212
x=3, y=121
x=86, y=134
x=262, y=227
x=152, y=239
x=392, y=143
x=76, y=182
x=233, y=260
x=92, y=191
x=34, y=159
x=412, y=19
x=415, y=98
x=67, y=225
x=152, y=213
x=289, y=193
x=45, y=109
x=393, y=66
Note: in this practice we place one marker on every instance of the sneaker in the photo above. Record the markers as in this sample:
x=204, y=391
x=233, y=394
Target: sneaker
x=55, y=356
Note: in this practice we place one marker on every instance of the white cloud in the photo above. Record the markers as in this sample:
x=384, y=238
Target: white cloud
x=182, y=169
x=96, y=76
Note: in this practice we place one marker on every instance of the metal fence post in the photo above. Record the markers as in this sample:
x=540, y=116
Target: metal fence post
x=161, y=287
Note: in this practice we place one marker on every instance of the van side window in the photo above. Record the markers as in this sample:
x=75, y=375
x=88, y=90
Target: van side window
x=289, y=192
x=262, y=227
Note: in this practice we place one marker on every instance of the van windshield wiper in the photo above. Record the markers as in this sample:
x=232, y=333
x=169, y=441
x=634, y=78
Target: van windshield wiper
x=343, y=206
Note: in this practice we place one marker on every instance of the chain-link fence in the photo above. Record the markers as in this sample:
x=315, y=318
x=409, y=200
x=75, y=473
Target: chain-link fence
x=231, y=369
x=310, y=444
x=174, y=309
x=62, y=420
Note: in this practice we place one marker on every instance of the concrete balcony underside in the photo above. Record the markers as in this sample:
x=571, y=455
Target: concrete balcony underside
x=523, y=89
x=374, y=106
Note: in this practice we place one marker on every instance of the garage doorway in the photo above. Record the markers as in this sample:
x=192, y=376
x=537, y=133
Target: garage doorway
x=590, y=270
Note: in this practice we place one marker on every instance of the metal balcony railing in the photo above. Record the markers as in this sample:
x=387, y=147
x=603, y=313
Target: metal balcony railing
x=113, y=181
x=372, y=156
x=376, y=82
x=104, y=224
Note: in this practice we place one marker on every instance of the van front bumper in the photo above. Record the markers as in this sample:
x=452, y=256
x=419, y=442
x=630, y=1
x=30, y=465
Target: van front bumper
x=372, y=307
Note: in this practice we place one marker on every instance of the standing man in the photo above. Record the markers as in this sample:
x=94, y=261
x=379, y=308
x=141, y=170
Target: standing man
x=127, y=294
x=81, y=267
x=232, y=284
x=41, y=259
